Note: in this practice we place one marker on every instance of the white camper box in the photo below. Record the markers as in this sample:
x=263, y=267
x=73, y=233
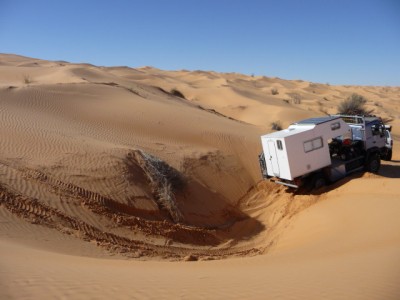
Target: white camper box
x=302, y=147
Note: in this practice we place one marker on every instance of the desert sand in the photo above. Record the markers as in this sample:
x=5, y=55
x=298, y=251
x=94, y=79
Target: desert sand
x=139, y=183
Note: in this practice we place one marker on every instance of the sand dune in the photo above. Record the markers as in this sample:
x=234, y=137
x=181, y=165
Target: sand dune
x=112, y=178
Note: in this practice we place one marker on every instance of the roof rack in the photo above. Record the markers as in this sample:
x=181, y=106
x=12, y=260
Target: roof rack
x=352, y=119
x=356, y=119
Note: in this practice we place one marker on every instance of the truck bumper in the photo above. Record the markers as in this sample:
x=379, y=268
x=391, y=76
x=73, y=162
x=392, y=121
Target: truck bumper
x=291, y=184
x=295, y=184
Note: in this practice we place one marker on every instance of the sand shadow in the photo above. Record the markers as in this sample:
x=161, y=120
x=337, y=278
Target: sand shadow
x=194, y=213
x=386, y=170
x=390, y=171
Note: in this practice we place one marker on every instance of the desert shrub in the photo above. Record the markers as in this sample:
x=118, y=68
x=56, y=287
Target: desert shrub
x=177, y=93
x=295, y=98
x=164, y=180
x=354, y=105
x=276, y=125
x=274, y=91
x=27, y=79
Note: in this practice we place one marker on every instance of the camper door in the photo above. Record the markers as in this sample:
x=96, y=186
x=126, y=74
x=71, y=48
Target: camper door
x=272, y=159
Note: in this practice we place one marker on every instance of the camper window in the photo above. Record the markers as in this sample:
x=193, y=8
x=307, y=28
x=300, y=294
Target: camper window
x=317, y=143
x=279, y=143
x=313, y=144
x=308, y=146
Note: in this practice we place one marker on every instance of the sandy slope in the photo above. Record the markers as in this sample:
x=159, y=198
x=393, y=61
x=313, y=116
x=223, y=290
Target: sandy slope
x=109, y=180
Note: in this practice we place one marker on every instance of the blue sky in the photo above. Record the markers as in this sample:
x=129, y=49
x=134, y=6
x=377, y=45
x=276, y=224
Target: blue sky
x=327, y=41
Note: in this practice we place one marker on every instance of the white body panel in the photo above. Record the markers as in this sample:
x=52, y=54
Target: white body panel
x=302, y=148
x=375, y=138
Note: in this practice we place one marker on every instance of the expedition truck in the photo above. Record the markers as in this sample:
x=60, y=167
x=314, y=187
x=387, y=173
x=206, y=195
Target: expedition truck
x=320, y=150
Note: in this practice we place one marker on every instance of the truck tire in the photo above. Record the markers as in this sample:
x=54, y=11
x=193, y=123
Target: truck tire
x=373, y=163
x=318, y=181
x=388, y=155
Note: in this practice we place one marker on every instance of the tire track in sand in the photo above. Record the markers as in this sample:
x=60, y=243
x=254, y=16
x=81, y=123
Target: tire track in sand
x=192, y=241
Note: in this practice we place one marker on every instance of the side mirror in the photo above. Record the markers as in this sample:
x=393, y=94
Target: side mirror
x=382, y=130
x=375, y=129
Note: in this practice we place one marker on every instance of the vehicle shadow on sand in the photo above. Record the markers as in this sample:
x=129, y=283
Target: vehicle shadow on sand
x=388, y=169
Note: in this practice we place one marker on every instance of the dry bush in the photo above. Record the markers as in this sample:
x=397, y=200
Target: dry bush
x=276, y=126
x=274, y=91
x=354, y=105
x=27, y=79
x=163, y=180
x=295, y=98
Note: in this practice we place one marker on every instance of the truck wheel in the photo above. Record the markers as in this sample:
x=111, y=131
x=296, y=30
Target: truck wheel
x=373, y=163
x=318, y=181
x=388, y=155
